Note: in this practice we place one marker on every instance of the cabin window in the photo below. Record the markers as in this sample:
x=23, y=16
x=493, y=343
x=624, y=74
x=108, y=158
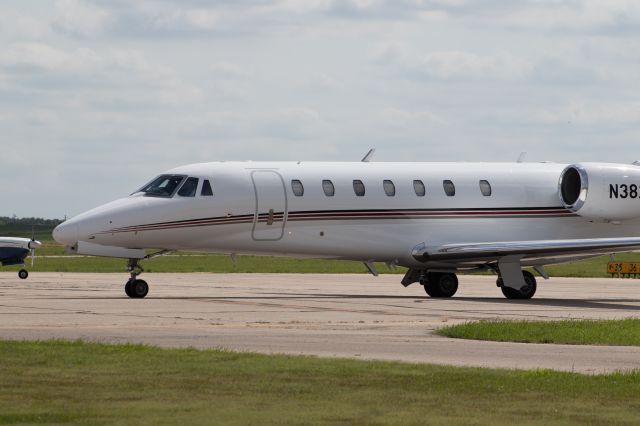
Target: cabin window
x=485, y=188
x=449, y=188
x=189, y=188
x=297, y=188
x=419, y=188
x=389, y=188
x=206, y=191
x=328, y=188
x=358, y=188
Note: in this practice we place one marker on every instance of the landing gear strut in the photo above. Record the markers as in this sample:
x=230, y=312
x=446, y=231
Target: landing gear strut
x=440, y=284
x=525, y=292
x=135, y=288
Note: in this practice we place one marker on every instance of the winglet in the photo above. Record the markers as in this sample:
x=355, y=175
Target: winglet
x=367, y=157
x=521, y=157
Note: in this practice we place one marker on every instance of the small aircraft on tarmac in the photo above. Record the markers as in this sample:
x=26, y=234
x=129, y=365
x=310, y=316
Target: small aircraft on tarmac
x=436, y=219
x=13, y=251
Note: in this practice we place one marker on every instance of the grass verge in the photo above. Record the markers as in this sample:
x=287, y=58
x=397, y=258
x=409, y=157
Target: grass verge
x=187, y=262
x=76, y=382
x=573, y=332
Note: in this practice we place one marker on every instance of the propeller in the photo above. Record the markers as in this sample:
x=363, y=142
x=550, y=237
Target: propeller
x=33, y=245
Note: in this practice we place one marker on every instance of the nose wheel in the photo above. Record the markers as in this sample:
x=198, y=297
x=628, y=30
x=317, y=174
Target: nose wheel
x=23, y=274
x=135, y=288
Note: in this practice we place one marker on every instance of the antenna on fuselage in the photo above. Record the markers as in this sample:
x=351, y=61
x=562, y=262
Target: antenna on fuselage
x=521, y=157
x=367, y=157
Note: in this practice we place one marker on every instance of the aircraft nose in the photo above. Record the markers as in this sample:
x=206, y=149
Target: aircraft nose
x=66, y=233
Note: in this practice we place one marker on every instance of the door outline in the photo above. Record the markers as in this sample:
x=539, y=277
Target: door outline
x=257, y=212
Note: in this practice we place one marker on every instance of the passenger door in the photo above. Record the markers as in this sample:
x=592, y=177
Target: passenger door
x=271, y=205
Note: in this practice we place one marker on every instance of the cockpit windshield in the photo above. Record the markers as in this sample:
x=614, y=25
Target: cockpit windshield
x=189, y=187
x=163, y=186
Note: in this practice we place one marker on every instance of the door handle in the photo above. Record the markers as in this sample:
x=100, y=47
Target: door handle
x=270, y=218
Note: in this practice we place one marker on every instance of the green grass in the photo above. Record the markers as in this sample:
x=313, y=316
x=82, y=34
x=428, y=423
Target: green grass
x=574, y=332
x=82, y=383
x=595, y=267
x=201, y=263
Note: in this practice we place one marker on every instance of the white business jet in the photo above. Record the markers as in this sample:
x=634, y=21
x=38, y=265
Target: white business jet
x=436, y=219
x=13, y=251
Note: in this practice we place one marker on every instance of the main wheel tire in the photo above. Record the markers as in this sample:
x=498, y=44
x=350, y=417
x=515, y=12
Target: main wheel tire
x=448, y=285
x=127, y=288
x=440, y=284
x=430, y=284
x=23, y=274
x=525, y=292
x=139, y=289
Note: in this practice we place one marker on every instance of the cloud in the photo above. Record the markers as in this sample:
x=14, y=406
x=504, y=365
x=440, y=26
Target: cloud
x=120, y=90
x=610, y=115
x=194, y=18
x=404, y=119
x=465, y=65
x=80, y=18
x=322, y=81
x=389, y=52
x=290, y=124
x=227, y=71
x=574, y=15
x=40, y=57
x=109, y=78
x=145, y=18
x=16, y=26
x=555, y=68
x=550, y=70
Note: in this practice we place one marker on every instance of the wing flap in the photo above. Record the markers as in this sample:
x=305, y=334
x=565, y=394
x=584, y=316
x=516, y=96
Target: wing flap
x=538, y=249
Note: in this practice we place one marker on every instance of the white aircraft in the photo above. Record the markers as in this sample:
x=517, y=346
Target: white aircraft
x=436, y=219
x=13, y=251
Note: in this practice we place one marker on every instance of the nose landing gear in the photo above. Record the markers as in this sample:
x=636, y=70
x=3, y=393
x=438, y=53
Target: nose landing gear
x=135, y=288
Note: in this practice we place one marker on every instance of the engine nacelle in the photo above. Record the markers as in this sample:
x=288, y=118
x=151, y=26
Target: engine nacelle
x=601, y=191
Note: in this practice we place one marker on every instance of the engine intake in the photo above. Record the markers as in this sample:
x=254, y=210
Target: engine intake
x=601, y=191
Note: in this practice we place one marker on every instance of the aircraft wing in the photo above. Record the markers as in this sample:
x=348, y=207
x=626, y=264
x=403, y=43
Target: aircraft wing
x=524, y=250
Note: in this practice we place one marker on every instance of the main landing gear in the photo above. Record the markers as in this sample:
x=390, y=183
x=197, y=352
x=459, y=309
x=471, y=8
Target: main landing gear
x=23, y=274
x=525, y=292
x=439, y=284
x=445, y=284
x=135, y=288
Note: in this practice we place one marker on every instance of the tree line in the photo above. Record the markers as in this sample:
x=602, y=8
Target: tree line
x=29, y=221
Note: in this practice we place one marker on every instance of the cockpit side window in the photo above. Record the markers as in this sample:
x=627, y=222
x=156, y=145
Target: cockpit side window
x=206, y=191
x=189, y=188
x=163, y=186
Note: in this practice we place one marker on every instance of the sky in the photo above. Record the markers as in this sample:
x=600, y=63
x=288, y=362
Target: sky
x=97, y=97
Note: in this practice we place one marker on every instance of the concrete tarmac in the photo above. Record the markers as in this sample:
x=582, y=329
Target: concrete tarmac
x=353, y=316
